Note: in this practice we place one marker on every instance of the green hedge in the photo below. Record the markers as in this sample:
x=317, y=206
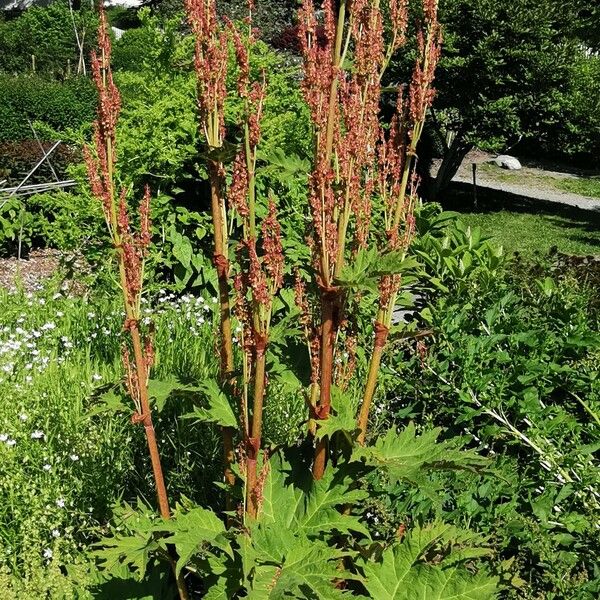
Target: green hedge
x=60, y=105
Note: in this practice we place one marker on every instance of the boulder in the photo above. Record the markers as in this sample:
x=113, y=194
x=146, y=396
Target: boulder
x=508, y=162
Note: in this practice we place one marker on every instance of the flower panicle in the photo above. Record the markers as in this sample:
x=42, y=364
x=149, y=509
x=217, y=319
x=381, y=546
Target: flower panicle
x=399, y=20
x=242, y=59
x=133, y=246
x=101, y=160
x=310, y=330
x=273, y=260
x=242, y=311
x=429, y=44
x=256, y=277
x=210, y=63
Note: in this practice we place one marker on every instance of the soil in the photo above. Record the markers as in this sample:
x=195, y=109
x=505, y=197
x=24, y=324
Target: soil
x=31, y=273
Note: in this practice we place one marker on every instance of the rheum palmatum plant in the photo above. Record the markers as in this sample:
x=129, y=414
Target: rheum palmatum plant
x=131, y=249
x=299, y=529
x=362, y=172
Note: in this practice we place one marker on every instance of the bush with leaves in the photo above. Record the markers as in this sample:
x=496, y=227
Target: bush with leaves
x=515, y=355
x=52, y=33
x=58, y=105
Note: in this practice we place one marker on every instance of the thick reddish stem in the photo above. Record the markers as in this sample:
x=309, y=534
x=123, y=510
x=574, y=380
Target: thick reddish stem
x=329, y=310
x=222, y=266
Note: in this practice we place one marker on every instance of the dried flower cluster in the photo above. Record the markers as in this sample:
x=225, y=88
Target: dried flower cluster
x=210, y=62
x=356, y=161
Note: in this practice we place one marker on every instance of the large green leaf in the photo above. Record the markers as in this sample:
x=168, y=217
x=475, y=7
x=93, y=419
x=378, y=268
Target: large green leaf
x=342, y=417
x=318, y=513
x=407, y=456
x=288, y=565
x=161, y=389
x=193, y=530
x=403, y=572
x=218, y=409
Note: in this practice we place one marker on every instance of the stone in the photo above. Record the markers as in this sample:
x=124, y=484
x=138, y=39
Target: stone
x=508, y=162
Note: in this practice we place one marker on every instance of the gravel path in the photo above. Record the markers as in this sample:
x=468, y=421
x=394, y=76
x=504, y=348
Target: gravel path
x=530, y=182
x=527, y=190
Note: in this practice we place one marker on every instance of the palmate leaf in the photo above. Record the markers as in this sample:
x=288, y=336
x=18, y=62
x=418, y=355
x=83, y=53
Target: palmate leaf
x=288, y=565
x=218, y=410
x=342, y=418
x=408, y=456
x=280, y=499
x=403, y=573
x=134, y=551
x=368, y=267
x=312, y=512
x=133, y=548
x=161, y=389
x=318, y=513
x=191, y=531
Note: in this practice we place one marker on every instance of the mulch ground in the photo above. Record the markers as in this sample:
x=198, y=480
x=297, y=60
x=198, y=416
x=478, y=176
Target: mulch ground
x=31, y=273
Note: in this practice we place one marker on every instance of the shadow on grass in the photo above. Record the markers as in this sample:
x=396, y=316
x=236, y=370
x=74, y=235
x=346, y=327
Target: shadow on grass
x=580, y=226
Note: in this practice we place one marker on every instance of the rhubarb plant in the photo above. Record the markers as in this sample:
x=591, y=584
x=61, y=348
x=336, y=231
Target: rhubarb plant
x=292, y=525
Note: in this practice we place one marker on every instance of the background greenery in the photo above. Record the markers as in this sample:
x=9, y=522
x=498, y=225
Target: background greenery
x=500, y=350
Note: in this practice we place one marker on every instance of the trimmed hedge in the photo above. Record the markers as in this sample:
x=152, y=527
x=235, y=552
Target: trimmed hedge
x=60, y=105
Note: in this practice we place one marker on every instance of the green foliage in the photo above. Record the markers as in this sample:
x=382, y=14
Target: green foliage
x=404, y=572
x=292, y=549
x=513, y=358
x=61, y=220
x=47, y=32
x=59, y=105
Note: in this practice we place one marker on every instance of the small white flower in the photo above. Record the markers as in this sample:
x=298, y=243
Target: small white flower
x=96, y=377
x=91, y=315
x=55, y=533
x=47, y=553
x=38, y=434
x=23, y=417
x=60, y=503
x=74, y=457
x=47, y=467
x=11, y=443
x=60, y=313
x=214, y=299
x=3, y=437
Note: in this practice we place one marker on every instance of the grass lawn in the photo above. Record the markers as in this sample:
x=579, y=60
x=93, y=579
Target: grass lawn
x=584, y=187
x=528, y=233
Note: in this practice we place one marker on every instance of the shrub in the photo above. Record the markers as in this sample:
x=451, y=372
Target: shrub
x=47, y=32
x=69, y=104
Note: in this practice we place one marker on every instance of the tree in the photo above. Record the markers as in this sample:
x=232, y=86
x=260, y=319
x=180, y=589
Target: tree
x=504, y=69
x=49, y=34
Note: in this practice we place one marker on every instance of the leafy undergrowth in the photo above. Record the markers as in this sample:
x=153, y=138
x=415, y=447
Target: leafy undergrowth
x=504, y=356
x=512, y=357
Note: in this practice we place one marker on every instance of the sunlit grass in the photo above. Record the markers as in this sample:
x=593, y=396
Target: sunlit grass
x=529, y=234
